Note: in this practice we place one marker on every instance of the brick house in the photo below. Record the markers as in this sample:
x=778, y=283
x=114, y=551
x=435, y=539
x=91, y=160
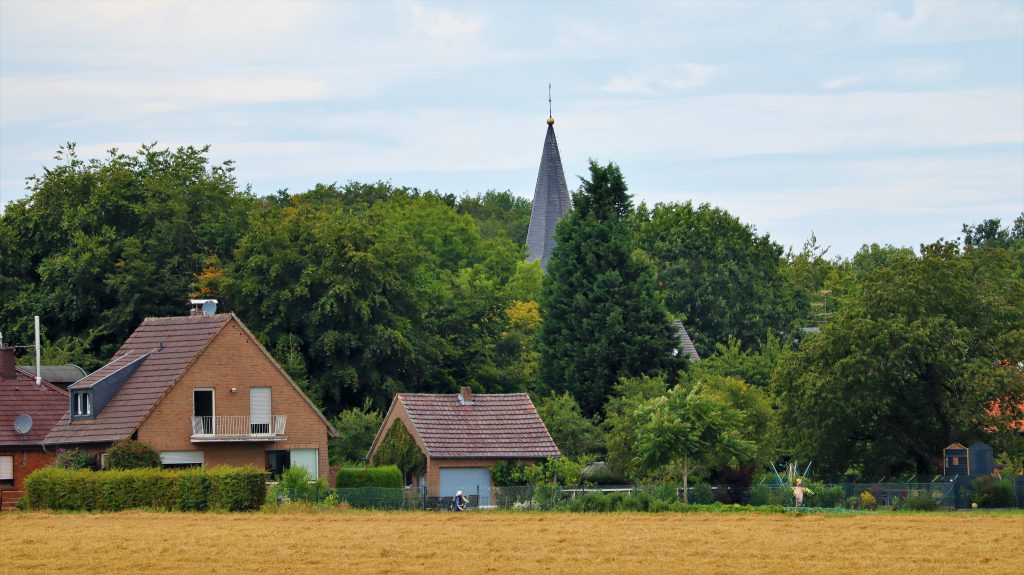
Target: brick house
x=462, y=435
x=202, y=391
x=27, y=413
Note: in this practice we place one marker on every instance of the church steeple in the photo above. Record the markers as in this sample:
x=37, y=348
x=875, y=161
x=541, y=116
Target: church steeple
x=551, y=200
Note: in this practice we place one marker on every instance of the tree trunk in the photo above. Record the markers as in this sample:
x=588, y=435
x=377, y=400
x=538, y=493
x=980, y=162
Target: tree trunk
x=686, y=479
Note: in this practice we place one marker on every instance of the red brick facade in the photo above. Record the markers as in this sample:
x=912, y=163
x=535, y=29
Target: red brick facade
x=230, y=365
x=25, y=462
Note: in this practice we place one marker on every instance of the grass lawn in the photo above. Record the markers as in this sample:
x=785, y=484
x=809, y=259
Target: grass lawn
x=510, y=542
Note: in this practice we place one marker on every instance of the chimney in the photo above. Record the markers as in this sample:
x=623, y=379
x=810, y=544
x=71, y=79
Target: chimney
x=466, y=396
x=7, y=363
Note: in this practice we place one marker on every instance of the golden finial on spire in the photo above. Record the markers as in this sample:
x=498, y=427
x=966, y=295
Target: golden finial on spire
x=551, y=119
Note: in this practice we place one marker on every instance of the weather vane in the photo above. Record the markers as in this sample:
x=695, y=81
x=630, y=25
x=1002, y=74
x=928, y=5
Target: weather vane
x=549, y=100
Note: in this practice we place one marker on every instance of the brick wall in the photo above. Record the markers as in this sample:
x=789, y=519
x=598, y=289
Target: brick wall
x=25, y=462
x=233, y=360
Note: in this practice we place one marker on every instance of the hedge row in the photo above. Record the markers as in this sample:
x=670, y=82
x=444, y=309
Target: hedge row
x=220, y=488
x=384, y=476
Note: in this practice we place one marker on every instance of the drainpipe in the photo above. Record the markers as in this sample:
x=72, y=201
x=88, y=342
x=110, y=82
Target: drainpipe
x=39, y=378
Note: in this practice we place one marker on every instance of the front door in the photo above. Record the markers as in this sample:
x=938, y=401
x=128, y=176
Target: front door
x=202, y=411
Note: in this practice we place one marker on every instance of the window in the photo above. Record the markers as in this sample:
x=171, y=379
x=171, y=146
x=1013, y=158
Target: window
x=181, y=459
x=277, y=461
x=6, y=470
x=956, y=461
x=81, y=402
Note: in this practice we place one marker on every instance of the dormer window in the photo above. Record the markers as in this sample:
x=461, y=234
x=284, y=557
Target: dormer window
x=81, y=403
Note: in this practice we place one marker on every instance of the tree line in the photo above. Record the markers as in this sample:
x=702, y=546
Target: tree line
x=869, y=364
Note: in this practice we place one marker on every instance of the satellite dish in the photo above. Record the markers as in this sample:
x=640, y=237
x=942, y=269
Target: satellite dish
x=23, y=423
x=210, y=307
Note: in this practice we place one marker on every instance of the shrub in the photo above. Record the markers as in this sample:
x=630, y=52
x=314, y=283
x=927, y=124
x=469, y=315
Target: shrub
x=128, y=454
x=640, y=501
x=987, y=491
x=701, y=494
x=296, y=484
x=920, y=503
x=825, y=496
x=771, y=495
x=867, y=500
x=386, y=476
x=191, y=492
x=592, y=501
x=237, y=488
x=226, y=488
x=74, y=459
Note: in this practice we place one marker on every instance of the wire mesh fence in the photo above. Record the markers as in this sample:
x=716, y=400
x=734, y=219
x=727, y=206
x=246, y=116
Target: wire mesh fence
x=942, y=494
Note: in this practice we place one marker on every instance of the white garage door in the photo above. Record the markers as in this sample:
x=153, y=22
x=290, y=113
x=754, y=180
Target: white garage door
x=471, y=480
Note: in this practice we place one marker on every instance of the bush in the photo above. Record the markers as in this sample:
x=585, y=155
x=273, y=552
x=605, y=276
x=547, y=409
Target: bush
x=825, y=496
x=919, y=503
x=74, y=459
x=237, y=488
x=771, y=495
x=191, y=492
x=296, y=484
x=386, y=476
x=592, y=501
x=867, y=500
x=701, y=494
x=226, y=488
x=987, y=491
x=128, y=454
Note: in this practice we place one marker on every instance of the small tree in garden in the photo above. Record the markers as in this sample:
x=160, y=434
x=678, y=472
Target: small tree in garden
x=74, y=459
x=399, y=448
x=128, y=454
x=684, y=428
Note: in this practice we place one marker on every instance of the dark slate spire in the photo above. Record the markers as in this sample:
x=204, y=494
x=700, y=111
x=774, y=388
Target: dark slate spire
x=551, y=201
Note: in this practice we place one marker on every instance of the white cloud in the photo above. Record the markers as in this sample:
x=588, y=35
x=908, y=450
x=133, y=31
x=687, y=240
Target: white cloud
x=931, y=21
x=842, y=82
x=685, y=76
x=444, y=26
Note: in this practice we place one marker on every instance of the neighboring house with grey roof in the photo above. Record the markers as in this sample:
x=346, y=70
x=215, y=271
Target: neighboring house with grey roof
x=202, y=391
x=463, y=434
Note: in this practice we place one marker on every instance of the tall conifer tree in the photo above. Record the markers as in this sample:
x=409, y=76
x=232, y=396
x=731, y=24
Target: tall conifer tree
x=603, y=317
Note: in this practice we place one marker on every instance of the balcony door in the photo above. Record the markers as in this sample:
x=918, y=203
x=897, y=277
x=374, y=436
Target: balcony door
x=202, y=411
x=259, y=410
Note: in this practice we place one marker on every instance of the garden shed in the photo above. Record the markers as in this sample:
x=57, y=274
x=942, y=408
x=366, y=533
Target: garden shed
x=462, y=435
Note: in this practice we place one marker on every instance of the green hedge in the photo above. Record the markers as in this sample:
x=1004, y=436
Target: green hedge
x=221, y=488
x=384, y=476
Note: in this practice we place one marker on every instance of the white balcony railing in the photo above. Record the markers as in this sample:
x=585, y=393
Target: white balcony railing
x=237, y=427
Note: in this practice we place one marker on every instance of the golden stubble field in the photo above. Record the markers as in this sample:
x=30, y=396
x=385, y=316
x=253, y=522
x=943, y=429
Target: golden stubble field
x=509, y=542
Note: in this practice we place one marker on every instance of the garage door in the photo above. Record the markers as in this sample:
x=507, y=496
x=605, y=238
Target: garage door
x=471, y=480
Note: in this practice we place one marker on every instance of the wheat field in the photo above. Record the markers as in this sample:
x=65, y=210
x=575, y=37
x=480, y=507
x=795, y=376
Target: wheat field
x=509, y=542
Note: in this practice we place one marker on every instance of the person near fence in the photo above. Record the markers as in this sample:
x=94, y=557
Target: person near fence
x=460, y=502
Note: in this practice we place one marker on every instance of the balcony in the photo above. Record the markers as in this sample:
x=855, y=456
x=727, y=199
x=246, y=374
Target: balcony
x=225, y=428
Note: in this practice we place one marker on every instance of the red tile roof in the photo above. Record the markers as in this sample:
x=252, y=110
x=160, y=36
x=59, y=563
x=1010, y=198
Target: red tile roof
x=45, y=403
x=173, y=344
x=498, y=426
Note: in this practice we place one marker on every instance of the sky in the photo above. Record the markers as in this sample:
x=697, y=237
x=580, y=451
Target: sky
x=861, y=122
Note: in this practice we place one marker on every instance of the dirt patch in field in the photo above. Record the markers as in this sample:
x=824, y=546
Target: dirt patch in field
x=506, y=542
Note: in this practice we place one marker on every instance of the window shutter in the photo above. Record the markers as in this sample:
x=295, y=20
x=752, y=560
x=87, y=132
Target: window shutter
x=181, y=457
x=259, y=405
x=6, y=467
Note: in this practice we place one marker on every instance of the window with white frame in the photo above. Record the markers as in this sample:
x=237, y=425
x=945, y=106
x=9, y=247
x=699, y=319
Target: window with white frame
x=82, y=403
x=6, y=470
